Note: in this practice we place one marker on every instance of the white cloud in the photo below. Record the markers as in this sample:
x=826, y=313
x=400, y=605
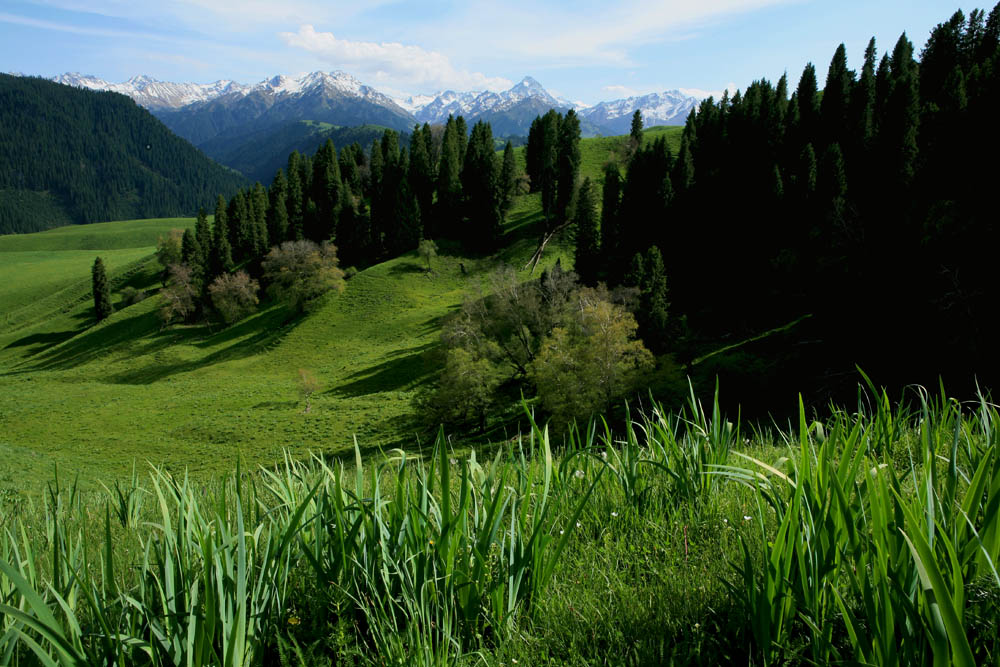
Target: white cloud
x=78, y=30
x=623, y=91
x=704, y=94
x=399, y=65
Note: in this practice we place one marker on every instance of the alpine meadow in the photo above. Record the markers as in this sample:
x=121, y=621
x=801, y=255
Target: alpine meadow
x=320, y=372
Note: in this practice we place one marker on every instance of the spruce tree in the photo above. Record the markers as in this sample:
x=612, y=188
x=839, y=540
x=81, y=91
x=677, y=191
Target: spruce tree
x=508, y=177
x=101, y=290
x=221, y=260
x=421, y=175
x=635, y=133
x=611, y=194
x=655, y=307
x=326, y=186
x=203, y=235
x=836, y=93
x=295, y=199
x=257, y=205
x=191, y=251
x=549, y=166
x=481, y=189
x=807, y=96
x=568, y=156
x=449, y=185
x=277, y=210
x=588, y=235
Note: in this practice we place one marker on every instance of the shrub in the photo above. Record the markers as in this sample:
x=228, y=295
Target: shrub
x=299, y=272
x=234, y=296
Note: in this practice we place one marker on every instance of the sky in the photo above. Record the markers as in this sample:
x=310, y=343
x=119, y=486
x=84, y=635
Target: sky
x=583, y=50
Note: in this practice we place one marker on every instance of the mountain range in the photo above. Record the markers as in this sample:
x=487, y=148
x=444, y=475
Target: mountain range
x=220, y=117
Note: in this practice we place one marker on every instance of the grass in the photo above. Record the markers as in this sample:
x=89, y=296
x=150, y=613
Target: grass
x=866, y=537
x=94, y=399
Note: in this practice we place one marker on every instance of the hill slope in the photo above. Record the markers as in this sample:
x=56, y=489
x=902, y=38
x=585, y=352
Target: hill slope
x=75, y=156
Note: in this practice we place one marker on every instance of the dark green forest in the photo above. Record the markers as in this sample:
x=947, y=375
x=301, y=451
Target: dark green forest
x=75, y=156
x=863, y=207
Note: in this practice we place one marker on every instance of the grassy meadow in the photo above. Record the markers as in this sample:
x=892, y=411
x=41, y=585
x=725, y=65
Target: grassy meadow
x=867, y=537
x=95, y=399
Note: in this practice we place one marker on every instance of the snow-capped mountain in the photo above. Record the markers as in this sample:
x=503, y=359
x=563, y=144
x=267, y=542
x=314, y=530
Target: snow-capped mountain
x=667, y=108
x=154, y=94
x=476, y=103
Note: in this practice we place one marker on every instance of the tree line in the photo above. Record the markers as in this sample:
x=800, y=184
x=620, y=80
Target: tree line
x=866, y=203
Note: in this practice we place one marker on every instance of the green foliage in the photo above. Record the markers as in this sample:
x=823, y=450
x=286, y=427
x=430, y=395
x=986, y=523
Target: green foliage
x=300, y=272
x=234, y=296
x=427, y=251
x=590, y=361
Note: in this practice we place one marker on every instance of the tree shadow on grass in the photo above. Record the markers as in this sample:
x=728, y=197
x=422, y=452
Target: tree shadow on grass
x=407, y=268
x=41, y=341
x=402, y=368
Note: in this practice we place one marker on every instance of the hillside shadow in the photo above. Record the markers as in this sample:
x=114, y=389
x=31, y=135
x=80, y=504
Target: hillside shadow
x=41, y=341
x=271, y=328
x=407, y=268
x=400, y=369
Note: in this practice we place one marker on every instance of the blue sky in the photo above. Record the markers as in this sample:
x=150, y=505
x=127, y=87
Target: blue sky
x=584, y=50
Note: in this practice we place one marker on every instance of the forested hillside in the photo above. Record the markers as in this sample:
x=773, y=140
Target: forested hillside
x=864, y=203
x=74, y=156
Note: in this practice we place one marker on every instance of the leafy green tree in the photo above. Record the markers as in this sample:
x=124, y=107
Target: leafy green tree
x=180, y=296
x=427, y=251
x=300, y=272
x=101, y=290
x=466, y=390
x=168, y=250
x=591, y=360
x=234, y=296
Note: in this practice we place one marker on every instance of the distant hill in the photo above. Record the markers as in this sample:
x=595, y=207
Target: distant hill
x=76, y=156
x=259, y=155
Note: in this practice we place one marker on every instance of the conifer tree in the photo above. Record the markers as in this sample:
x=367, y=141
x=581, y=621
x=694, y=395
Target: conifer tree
x=191, y=253
x=549, y=164
x=203, y=235
x=807, y=96
x=295, y=198
x=533, y=154
x=655, y=307
x=462, y=134
x=588, y=235
x=257, y=205
x=326, y=186
x=101, y=290
x=449, y=186
x=421, y=175
x=568, y=156
x=610, y=201
x=508, y=178
x=635, y=133
x=902, y=115
x=836, y=93
x=221, y=260
x=277, y=209
x=481, y=189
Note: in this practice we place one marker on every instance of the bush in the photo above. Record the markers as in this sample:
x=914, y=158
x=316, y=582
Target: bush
x=180, y=296
x=299, y=272
x=132, y=296
x=234, y=296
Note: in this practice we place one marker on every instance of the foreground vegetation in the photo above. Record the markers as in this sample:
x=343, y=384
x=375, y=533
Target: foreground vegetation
x=870, y=536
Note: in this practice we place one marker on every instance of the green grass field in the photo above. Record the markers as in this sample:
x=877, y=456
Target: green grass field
x=94, y=399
